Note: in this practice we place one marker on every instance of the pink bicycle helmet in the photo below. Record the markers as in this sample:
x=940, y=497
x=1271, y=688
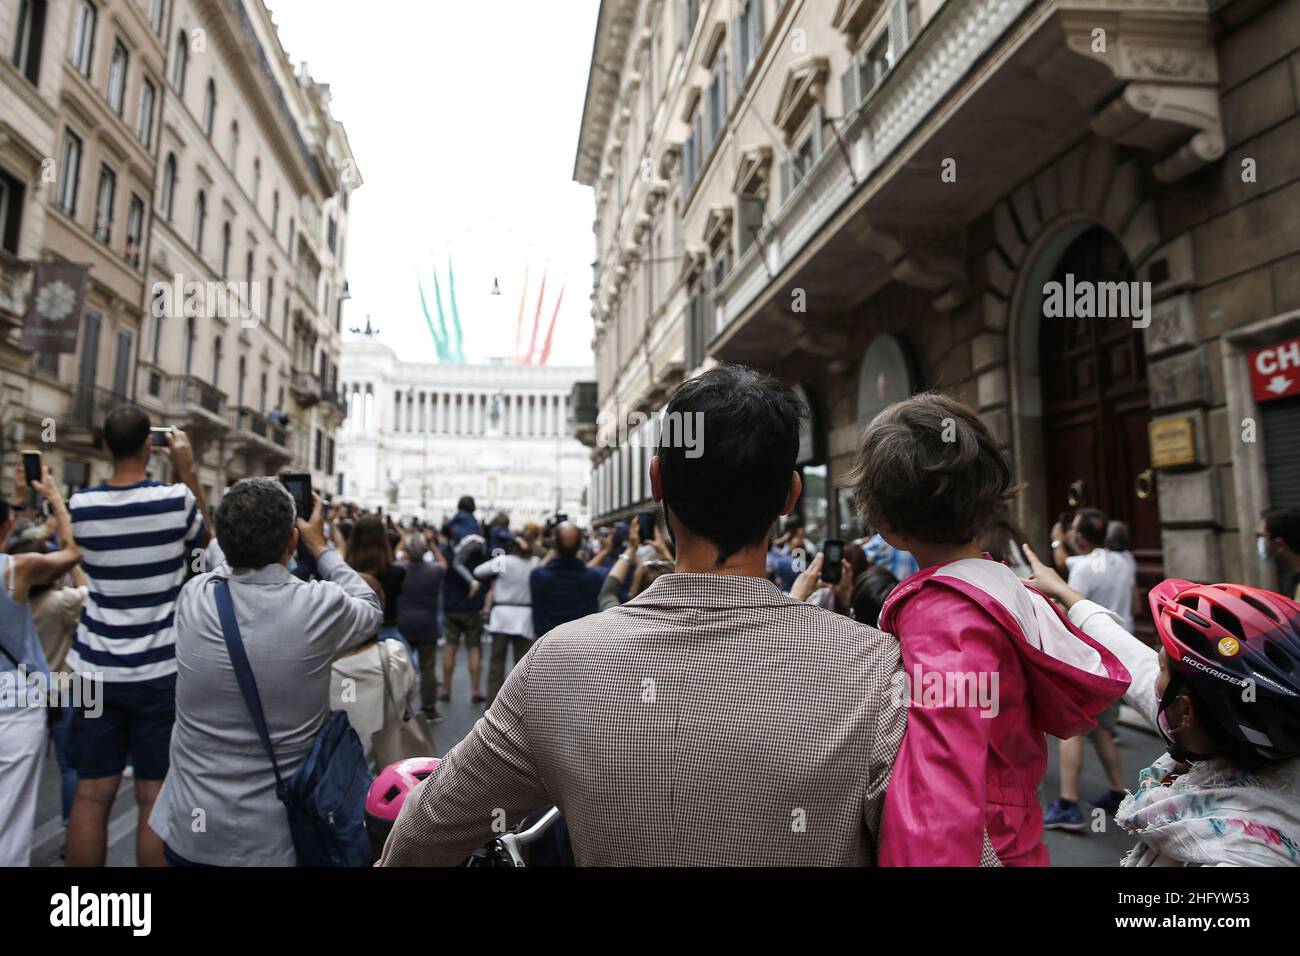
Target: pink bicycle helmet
x=389, y=791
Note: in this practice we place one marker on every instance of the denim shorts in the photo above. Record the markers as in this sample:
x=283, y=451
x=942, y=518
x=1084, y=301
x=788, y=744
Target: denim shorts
x=136, y=723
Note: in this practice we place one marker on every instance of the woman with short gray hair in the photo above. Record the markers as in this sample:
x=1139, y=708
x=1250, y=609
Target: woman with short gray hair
x=292, y=630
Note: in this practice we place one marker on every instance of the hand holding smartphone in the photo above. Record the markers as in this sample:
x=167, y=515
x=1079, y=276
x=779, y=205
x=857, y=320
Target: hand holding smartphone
x=32, y=465
x=298, y=484
x=832, y=560
x=160, y=437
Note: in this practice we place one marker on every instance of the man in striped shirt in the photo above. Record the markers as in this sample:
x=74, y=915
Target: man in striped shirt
x=140, y=538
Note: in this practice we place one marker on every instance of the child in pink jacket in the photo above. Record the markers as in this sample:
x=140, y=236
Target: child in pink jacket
x=991, y=665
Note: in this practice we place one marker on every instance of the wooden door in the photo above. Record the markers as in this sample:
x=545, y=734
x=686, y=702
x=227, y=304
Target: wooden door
x=1095, y=413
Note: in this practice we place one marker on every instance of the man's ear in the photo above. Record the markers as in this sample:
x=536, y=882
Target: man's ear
x=796, y=489
x=656, y=481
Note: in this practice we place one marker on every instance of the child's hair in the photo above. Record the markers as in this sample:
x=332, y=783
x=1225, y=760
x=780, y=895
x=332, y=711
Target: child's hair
x=929, y=469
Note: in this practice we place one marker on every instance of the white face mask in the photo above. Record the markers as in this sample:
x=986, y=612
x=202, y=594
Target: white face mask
x=1262, y=546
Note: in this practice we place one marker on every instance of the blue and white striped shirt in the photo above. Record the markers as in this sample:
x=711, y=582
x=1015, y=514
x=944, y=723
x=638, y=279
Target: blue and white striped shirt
x=135, y=543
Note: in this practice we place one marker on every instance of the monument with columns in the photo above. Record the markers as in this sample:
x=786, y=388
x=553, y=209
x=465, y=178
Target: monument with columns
x=420, y=435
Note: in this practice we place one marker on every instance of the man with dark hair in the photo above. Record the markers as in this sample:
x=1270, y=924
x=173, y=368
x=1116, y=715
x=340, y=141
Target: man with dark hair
x=711, y=720
x=138, y=538
x=1279, y=541
x=292, y=630
x=1107, y=578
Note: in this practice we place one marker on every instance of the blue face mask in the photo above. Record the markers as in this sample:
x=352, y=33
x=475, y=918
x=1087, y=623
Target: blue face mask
x=1262, y=545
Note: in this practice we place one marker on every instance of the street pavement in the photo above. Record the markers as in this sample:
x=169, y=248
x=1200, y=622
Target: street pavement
x=1138, y=748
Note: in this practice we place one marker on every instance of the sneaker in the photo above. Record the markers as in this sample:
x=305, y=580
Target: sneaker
x=433, y=717
x=1064, y=815
x=1109, y=801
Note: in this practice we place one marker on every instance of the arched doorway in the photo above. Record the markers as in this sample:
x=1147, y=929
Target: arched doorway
x=1095, y=410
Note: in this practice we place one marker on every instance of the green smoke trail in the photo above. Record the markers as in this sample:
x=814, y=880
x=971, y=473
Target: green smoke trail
x=438, y=345
x=455, y=313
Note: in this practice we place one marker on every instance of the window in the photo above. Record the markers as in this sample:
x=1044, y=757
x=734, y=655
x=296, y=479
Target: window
x=157, y=8
x=188, y=357
x=169, y=186
x=117, y=70
x=291, y=231
x=12, y=195
x=333, y=234
x=876, y=63
x=690, y=11
x=69, y=172
x=104, y=204
x=134, y=231
x=180, y=62
x=200, y=221
x=796, y=166
x=715, y=107
x=224, y=261
x=747, y=31
x=275, y=215
x=216, y=362
x=232, y=154
x=155, y=340
x=144, y=124
x=29, y=38
x=209, y=107
x=320, y=441
x=248, y=269
x=243, y=378
x=122, y=363
x=83, y=37
x=257, y=181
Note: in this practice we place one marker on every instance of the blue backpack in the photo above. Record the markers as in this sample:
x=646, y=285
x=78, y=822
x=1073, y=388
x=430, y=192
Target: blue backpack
x=326, y=796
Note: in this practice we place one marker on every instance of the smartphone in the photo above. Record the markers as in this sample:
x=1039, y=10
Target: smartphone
x=31, y=465
x=160, y=437
x=299, y=485
x=832, y=555
x=647, y=519
x=561, y=518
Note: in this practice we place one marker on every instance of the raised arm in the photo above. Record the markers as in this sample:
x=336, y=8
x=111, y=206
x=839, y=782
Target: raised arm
x=182, y=455
x=33, y=570
x=349, y=618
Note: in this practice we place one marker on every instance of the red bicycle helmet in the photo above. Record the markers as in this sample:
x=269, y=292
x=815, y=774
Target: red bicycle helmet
x=1239, y=647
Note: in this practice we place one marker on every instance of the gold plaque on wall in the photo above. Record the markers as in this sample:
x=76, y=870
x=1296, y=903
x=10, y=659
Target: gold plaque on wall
x=1173, y=441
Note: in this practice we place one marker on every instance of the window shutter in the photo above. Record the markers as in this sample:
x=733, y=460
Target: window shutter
x=738, y=50
x=849, y=87
x=817, y=130
x=722, y=89
x=787, y=179
x=756, y=27
x=897, y=30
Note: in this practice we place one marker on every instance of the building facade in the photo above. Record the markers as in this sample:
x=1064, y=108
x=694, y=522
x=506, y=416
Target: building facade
x=418, y=436
x=871, y=197
x=172, y=147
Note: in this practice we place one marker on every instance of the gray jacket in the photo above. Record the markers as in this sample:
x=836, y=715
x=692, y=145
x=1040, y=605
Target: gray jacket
x=218, y=804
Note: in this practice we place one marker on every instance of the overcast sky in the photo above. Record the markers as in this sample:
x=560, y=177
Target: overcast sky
x=463, y=116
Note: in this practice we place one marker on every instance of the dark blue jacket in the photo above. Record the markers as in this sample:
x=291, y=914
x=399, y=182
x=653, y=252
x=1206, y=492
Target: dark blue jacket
x=461, y=524
x=563, y=590
x=455, y=590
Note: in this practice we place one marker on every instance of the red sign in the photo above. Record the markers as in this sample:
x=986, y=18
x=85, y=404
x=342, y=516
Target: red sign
x=1275, y=370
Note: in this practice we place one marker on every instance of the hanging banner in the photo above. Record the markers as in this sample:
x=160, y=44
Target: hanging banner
x=54, y=310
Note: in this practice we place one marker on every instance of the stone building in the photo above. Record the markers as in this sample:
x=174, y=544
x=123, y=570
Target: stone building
x=871, y=198
x=419, y=435
x=172, y=146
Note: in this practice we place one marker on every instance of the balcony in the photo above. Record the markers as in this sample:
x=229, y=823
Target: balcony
x=583, y=413
x=335, y=400
x=306, y=388
x=200, y=407
x=252, y=433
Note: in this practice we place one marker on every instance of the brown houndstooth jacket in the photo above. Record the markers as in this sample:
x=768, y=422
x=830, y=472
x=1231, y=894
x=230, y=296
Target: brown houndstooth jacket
x=712, y=720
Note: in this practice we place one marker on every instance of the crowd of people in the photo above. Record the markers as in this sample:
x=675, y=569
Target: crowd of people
x=694, y=685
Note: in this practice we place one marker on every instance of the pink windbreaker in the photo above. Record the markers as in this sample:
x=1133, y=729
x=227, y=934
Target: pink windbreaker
x=958, y=773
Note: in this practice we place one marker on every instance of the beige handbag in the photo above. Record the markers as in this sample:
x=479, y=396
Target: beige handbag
x=404, y=734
